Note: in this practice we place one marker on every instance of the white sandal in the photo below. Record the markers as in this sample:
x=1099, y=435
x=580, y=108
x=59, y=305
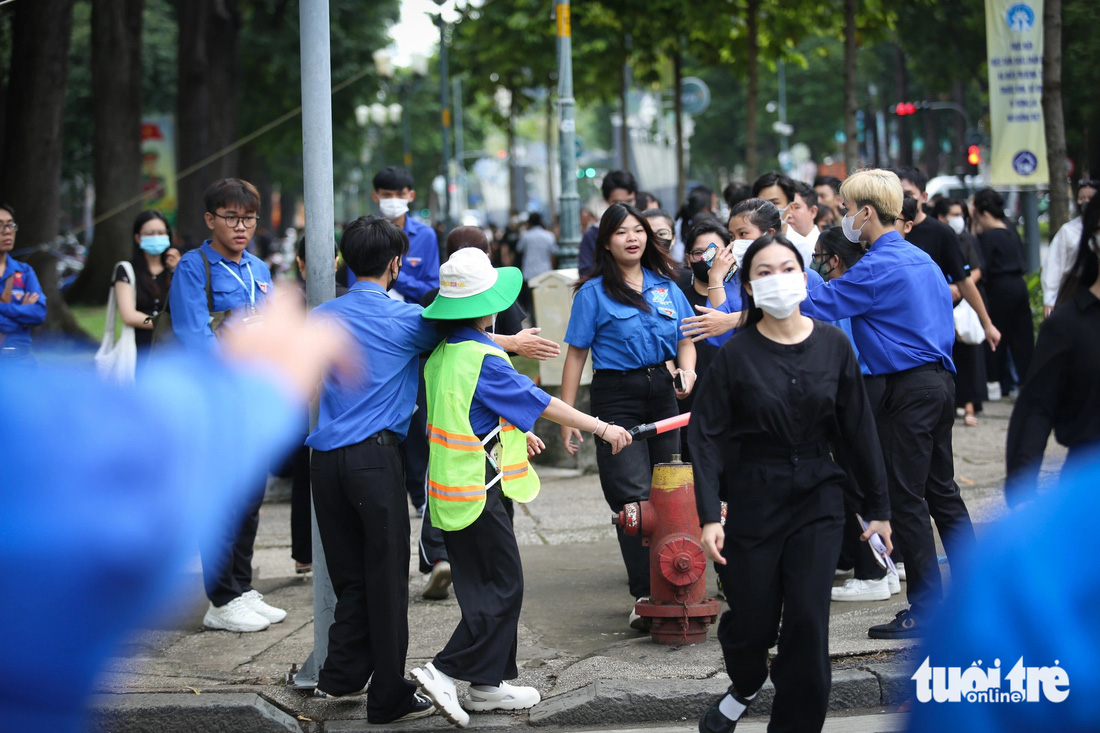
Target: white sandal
x=505, y=697
x=441, y=690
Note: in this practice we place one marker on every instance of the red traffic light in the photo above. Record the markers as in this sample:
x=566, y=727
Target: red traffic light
x=905, y=108
x=973, y=155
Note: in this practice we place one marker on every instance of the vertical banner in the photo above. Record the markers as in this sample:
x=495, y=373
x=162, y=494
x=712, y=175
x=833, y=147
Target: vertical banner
x=158, y=164
x=1014, y=37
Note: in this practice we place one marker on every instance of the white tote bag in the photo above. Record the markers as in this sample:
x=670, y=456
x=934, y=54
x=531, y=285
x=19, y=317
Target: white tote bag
x=116, y=360
x=967, y=324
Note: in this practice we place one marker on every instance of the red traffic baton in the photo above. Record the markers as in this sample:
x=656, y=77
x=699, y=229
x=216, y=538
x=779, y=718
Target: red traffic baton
x=648, y=430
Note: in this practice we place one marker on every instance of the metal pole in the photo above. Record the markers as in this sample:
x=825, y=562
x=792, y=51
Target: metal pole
x=1030, y=201
x=320, y=285
x=445, y=106
x=569, y=242
x=460, y=143
x=406, y=125
x=783, y=142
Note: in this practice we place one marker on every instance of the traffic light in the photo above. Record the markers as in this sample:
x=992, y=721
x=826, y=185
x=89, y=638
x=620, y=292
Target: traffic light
x=905, y=108
x=974, y=157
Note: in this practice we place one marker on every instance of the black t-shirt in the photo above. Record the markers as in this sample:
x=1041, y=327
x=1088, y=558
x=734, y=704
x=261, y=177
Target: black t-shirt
x=942, y=245
x=151, y=294
x=1002, y=252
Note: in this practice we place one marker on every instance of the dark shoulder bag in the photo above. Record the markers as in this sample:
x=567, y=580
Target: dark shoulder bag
x=162, y=322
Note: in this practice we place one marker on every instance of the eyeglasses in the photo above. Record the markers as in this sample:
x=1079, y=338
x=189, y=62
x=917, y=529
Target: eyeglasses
x=696, y=254
x=233, y=221
x=1089, y=182
x=663, y=233
x=10, y=226
x=820, y=256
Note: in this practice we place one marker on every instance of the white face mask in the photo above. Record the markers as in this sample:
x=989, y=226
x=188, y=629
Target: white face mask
x=740, y=246
x=779, y=295
x=848, y=225
x=957, y=224
x=393, y=208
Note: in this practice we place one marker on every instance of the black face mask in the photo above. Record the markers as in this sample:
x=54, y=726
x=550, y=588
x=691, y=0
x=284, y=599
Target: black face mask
x=394, y=280
x=700, y=270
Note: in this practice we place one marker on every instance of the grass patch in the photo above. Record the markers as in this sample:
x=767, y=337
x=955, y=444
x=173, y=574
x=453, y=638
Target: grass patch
x=93, y=319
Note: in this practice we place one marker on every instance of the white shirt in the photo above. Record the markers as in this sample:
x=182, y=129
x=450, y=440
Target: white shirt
x=1060, y=258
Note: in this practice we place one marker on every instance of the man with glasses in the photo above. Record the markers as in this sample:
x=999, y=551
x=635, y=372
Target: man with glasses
x=219, y=286
x=22, y=304
x=1063, y=248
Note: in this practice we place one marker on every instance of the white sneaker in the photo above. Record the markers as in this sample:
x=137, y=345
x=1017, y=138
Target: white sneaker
x=441, y=690
x=504, y=697
x=234, y=616
x=838, y=573
x=862, y=590
x=900, y=567
x=255, y=603
x=438, y=582
x=894, y=582
x=639, y=623
x=994, y=390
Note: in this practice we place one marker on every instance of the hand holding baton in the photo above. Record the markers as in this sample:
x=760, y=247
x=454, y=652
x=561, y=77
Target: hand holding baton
x=648, y=430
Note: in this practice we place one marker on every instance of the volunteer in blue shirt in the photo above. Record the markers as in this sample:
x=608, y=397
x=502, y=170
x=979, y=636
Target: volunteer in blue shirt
x=628, y=313
x=903, y=326
x=358, y=477
x=239, y=283
x=393, y=192
x=22, y=303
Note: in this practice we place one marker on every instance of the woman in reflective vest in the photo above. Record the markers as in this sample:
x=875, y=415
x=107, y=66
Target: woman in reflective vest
x=480, y=412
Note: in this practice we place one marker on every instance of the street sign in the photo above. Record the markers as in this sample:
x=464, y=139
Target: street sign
x=694, y=95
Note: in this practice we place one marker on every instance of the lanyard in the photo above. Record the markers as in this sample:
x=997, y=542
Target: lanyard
x=252, y=292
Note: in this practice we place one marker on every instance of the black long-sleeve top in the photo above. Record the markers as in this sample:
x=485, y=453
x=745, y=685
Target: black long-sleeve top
x=1002, y=252
x=757, y=390
x=1061, y=392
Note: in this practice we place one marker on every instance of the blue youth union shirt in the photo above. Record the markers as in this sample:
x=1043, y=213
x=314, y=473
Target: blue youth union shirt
x=625, y=337
x=899, y=303
x=17, y=319
x=235, y=286
x=391, y=335
x=420, y=265
x=501, y=391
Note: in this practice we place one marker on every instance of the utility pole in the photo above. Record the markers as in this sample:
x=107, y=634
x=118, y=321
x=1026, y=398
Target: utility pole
x=445, y=106
x=570, y=239
x=460, y=145
x=320, y=286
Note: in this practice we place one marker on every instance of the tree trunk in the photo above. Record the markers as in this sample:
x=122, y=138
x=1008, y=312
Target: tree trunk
x=678, y=110
x=958, y=160
x=116, y=99
x=851, y=105
x=872, y=138
x=512, y=197
x=905, y=137
x=931, y=144
x=550, y=207
x=206, y=103
x=1053, y=118
x=751, y=155
x=624, y=90
x=31, y=175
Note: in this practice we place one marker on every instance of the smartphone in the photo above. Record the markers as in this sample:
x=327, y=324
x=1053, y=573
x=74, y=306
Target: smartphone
x=678, y=381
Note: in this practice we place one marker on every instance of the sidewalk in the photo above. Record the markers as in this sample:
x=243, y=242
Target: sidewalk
x=574, y=643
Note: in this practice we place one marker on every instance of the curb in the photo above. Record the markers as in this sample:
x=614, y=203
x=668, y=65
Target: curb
x=141, y=712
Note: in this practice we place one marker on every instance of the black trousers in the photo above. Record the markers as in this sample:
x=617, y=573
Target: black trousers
x=488, y=582
x=227, y=568
x=301, y=528
x=970, y=378
x=1010, y=311
x=783, y=536
x=629, y=399
x=432, y=547
x=415, y=447
x=914, y=422
x=363, y=518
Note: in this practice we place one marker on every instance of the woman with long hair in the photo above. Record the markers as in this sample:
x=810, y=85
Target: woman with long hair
x=154, y=259
x=627, y=312
x=1061, y=392
x=779, y=393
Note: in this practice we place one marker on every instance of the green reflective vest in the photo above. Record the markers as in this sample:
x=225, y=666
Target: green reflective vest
x=456, y=464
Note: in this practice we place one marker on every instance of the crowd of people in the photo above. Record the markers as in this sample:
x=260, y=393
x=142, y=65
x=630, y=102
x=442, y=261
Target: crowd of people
x=818, y=321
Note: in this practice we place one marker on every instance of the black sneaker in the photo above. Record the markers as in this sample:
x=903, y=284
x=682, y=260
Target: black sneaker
x=904, y=626
x=422, y=708
x=714, y=722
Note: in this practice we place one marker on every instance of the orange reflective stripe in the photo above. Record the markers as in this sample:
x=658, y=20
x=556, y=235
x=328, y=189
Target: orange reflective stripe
x=479, y=496
x=455, y=493
x=455, y=441
x=515, y=471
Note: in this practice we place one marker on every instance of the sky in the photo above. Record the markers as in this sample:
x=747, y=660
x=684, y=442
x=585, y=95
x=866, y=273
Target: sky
x=414, y=32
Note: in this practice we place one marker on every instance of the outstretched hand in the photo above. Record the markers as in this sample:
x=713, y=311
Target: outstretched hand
x=711, y=323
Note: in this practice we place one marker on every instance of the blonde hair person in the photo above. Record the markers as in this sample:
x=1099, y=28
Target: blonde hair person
x=880, y=189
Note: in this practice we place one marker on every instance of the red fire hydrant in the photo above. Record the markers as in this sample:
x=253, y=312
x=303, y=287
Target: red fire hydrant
x=669, y=525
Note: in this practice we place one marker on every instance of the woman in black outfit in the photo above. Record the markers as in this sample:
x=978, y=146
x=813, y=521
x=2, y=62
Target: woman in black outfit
x=1061, y=392
x=153, y=259
x=1005, y=262
x=779, y=392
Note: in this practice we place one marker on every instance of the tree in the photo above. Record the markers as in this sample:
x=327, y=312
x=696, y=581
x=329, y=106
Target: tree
x=206, y=105
x=1053, y=119
x=116, y=94
x=31, y=174
x=851, y=102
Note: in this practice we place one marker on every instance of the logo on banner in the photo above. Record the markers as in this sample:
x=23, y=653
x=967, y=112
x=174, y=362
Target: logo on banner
x=977, y=685
x=1025, y=162
x=1020, y=18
